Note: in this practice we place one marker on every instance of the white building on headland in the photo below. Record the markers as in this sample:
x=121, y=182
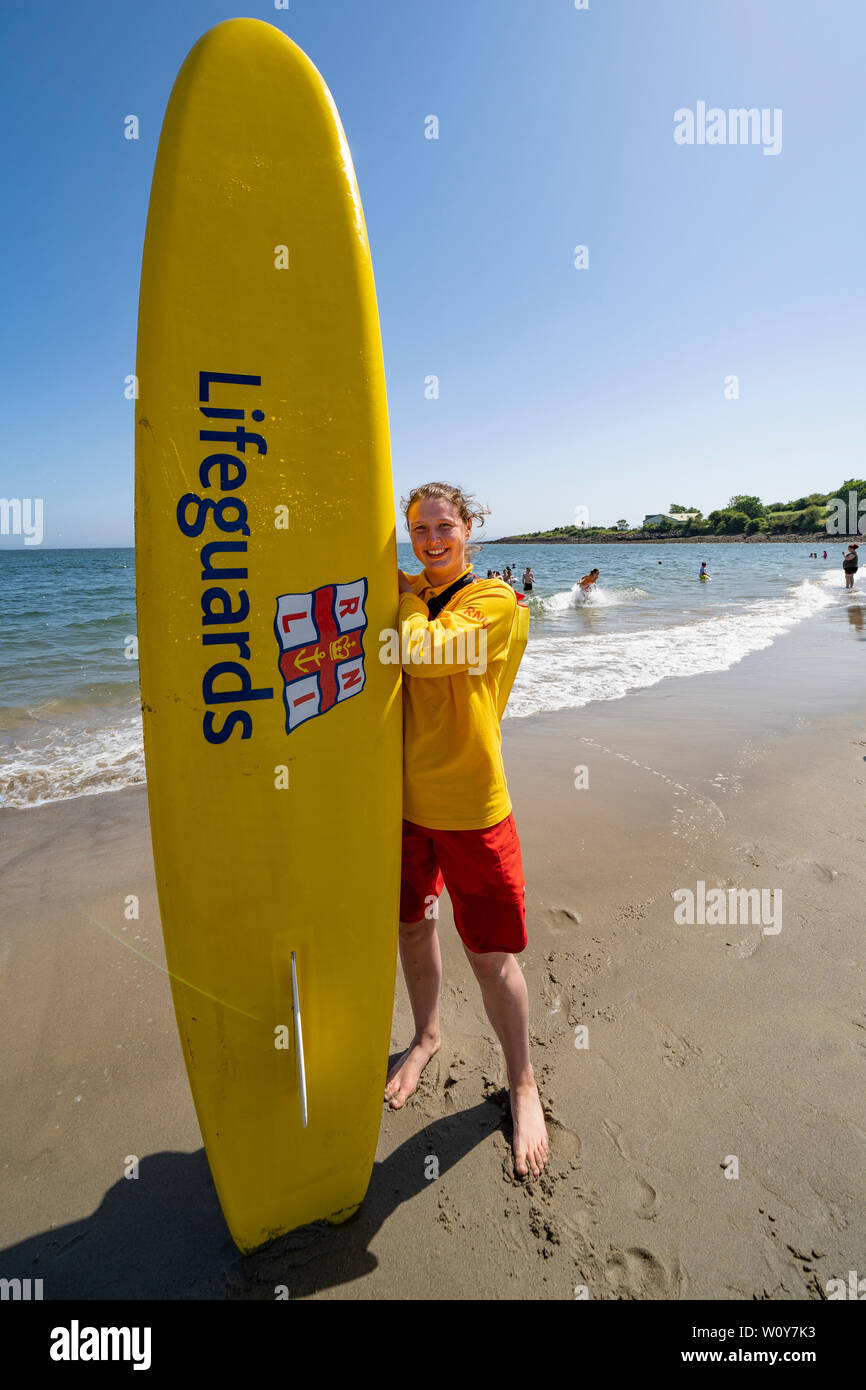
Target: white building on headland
x=656, y=518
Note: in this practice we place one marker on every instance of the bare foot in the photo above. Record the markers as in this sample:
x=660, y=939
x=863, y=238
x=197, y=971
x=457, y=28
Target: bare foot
x=530, y=1144
x=406, y=1071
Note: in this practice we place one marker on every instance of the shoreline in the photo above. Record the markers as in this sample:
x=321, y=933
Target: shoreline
x=810, y=538
x=703, y=1041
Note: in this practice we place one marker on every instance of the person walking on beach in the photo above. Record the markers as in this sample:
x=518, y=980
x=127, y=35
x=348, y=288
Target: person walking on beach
x=850, y=564
x=528, y=580
x=458, y=825
x=588, y=582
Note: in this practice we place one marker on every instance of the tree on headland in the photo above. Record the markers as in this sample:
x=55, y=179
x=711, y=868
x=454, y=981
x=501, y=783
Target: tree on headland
x=733, y=521
x=810, y=519
x=857, y=485
x=813, y=500
x=751, y=506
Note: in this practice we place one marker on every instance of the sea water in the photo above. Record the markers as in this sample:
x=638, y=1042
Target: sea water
x=70, y=721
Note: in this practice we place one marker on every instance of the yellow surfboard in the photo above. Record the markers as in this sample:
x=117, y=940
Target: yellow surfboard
x=266, y=570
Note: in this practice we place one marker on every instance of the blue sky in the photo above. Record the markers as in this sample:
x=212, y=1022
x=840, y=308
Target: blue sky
x=559, y=388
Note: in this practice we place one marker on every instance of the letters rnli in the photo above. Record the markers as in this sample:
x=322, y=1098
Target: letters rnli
x=225, y=682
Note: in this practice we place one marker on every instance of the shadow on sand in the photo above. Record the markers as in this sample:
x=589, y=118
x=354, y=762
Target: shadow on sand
x=163, y=1236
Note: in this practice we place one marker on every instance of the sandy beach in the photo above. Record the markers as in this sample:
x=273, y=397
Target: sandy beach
x=703, y=1043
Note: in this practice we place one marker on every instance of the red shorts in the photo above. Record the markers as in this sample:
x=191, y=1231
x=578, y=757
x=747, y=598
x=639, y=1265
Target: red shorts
x=483, y=873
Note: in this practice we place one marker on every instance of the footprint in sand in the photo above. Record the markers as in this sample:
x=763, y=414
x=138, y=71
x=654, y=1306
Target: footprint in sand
x=512, y=1232
x=456, y=1073
x=614, y=1134
x=564, y=1143
x=638, y=1273
x=551, y=994
x=564, y=917
x=645, y=1201
x=825, y=872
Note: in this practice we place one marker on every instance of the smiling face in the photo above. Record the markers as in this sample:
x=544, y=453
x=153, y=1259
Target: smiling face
x=438, y=536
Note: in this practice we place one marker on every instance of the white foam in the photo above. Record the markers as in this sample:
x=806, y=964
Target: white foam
x=73, y=758
x=569, y=671
x=72, y=761
x=598, y=597
x=833, y=579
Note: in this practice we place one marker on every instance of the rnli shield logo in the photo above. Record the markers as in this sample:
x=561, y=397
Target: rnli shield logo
x=321, y=648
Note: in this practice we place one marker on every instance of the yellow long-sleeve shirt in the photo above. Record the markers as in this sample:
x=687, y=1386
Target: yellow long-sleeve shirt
x=453, y=777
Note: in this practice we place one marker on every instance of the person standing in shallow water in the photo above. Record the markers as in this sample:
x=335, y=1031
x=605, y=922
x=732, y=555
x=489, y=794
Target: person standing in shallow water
x=458, y=826
x=850, y=564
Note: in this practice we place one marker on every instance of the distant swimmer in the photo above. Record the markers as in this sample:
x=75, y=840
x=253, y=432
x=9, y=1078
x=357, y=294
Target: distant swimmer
x=703, y=571
x=850, y=564
x=588, y=582
x=528, y=580
x=825, y=554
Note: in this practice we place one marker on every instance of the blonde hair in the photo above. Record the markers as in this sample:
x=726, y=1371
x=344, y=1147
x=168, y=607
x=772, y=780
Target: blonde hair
x=469, y=507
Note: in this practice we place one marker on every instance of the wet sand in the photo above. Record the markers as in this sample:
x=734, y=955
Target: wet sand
x=705, y=1043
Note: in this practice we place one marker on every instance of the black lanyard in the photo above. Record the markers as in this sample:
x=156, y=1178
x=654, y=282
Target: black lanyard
x=435, y=605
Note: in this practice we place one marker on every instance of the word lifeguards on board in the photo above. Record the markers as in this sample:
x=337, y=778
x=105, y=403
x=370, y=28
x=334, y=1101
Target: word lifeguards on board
x=226, y=682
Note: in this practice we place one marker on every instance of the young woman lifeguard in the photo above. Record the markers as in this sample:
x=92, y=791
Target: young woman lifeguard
x=458, y=828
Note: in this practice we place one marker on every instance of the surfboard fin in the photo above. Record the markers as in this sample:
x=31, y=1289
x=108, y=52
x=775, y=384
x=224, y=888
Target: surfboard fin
x=299, y=1042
